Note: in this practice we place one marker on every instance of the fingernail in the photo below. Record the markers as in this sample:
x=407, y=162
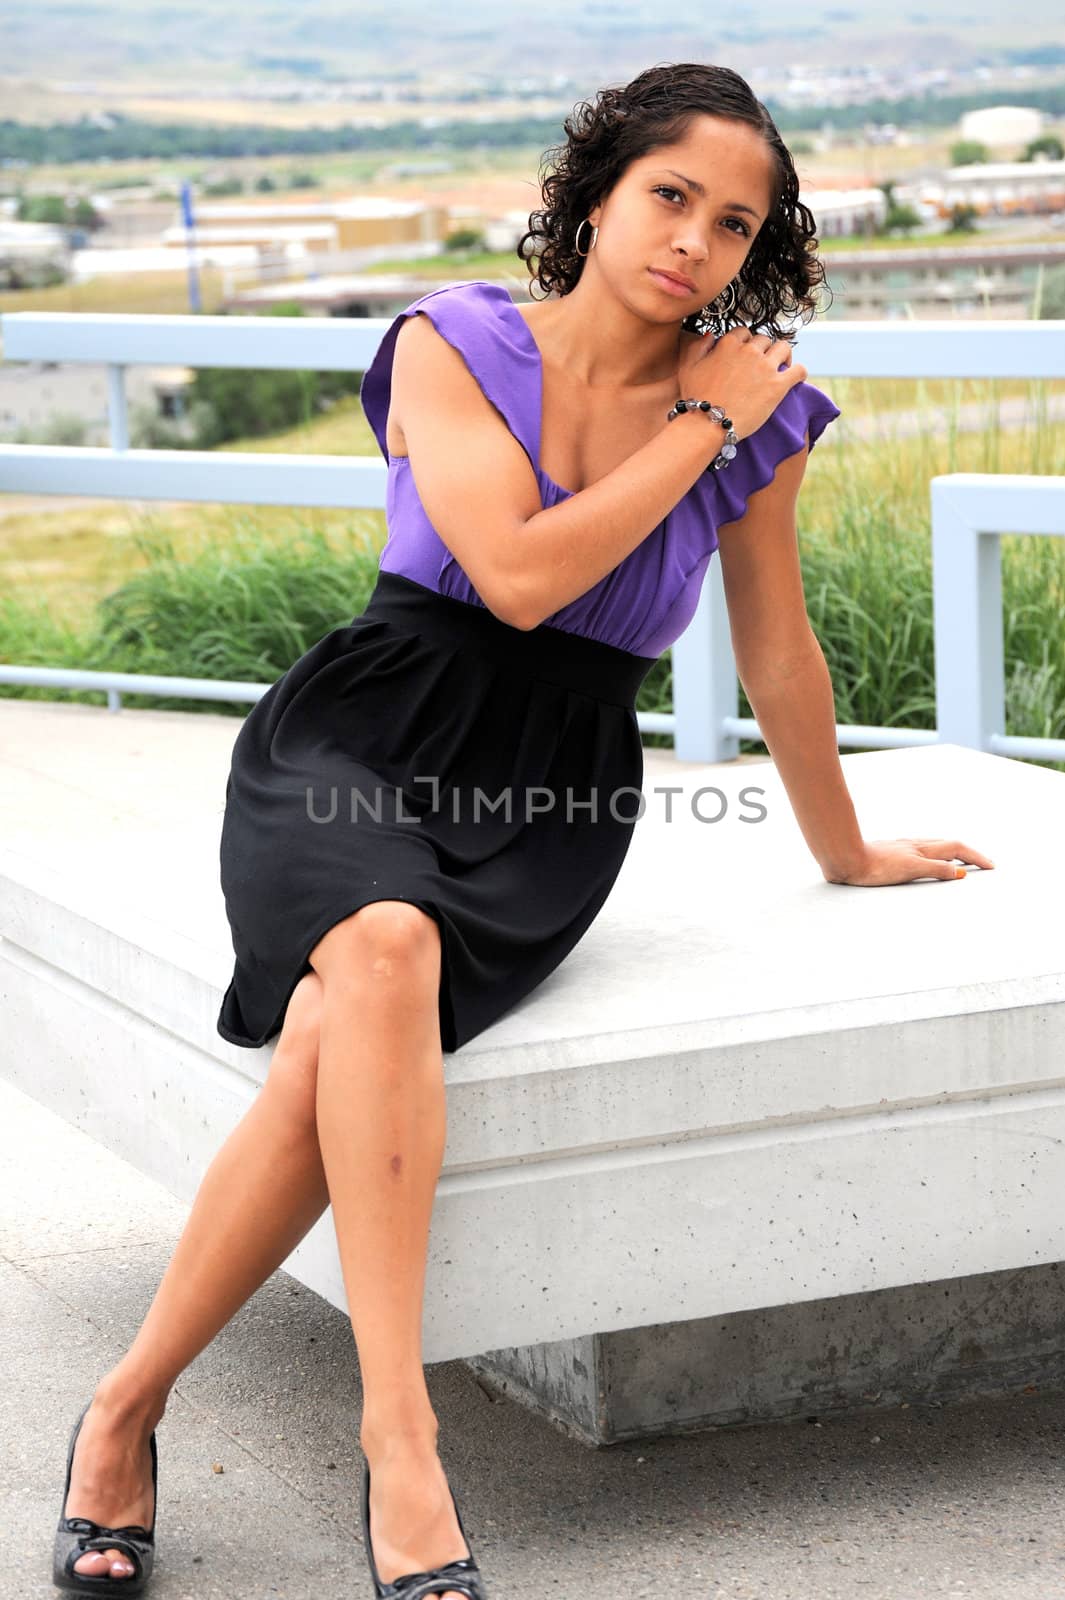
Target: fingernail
x=959, y=872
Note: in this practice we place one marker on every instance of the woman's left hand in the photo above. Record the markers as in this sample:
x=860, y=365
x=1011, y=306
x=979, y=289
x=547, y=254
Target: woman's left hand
x=901, y=860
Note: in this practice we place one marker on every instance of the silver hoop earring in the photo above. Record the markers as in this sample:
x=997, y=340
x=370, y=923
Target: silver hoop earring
x=577, y=234
x=714, y=317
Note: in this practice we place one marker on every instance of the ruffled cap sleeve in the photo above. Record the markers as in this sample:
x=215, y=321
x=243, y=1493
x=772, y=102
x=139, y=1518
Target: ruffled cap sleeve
x=757, y=456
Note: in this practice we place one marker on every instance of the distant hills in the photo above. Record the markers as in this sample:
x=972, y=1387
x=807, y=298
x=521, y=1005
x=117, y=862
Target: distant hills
x=482, y=42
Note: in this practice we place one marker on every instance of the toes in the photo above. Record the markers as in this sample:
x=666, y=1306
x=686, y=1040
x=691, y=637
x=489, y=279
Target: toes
x=93, y=1562
x=105, y=1563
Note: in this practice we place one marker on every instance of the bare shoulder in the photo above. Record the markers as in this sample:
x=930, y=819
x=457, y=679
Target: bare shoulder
x=415, y=349
x=473, y=478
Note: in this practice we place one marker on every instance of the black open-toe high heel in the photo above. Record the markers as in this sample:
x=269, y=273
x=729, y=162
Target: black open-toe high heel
x=463, y=1576
x=76, y=1535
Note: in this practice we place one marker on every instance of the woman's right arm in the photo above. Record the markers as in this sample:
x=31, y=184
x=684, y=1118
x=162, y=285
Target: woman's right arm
x=481, y=494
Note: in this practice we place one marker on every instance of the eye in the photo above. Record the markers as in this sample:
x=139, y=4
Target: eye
x=666, y=188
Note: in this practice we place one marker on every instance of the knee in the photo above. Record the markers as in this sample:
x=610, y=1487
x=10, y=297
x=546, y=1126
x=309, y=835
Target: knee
x=386, y=939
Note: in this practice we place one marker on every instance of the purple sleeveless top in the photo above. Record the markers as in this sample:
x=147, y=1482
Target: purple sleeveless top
x=649, y=598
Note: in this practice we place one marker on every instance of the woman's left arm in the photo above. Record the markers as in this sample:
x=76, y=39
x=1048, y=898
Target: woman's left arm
x=786, y=679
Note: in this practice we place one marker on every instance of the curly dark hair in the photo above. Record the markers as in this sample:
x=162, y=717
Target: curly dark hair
x=603, y=138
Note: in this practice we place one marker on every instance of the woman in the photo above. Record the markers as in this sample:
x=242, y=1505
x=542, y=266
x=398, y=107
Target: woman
x=551, y=516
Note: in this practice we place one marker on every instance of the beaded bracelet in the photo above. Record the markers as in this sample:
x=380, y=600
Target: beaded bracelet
x=728, y=449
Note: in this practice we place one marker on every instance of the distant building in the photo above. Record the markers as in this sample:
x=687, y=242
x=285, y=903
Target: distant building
x=1000, y=127
x=27, y=246
x=932, y=280
x=995, y=188
x=373, y=226
x=101, y=262
x=842, y=213
x=33, y=394
x=269, y=239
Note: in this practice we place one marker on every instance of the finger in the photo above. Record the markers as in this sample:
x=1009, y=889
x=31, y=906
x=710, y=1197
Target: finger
x=976, y=858
x=943, y=869
x=949, y=849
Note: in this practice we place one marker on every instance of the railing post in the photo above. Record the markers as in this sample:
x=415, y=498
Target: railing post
x=116, y=406
x=705, y=688
x=967, y=606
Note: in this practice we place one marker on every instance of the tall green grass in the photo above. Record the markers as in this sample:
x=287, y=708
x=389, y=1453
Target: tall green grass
x=865, y=546
x=238, y=608
x=869, y=598
x=868, y=587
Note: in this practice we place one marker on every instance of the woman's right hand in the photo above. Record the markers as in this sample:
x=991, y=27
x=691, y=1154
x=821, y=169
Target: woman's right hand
x=739, y=373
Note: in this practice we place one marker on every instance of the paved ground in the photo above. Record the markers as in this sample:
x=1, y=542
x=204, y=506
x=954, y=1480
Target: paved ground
x=258, y=1453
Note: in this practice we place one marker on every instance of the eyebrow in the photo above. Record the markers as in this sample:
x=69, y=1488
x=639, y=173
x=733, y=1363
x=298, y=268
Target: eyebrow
x=731, y=205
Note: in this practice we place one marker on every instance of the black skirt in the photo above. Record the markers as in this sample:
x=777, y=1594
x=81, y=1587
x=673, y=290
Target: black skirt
x=428, y=752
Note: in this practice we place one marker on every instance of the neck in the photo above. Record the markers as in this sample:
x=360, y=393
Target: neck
x=600, y=343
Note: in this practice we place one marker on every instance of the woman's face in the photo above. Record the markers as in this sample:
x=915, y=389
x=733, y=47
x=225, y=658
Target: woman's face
x=693, y=208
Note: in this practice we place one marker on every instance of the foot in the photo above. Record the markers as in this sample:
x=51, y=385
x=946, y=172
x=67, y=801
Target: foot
x=413, y=1526
x=111, y=1480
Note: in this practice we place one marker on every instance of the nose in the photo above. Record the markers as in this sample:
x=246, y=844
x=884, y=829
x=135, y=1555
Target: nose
x=692, y=246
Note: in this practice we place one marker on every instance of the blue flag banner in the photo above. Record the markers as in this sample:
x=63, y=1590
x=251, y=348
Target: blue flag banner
x=187, y=218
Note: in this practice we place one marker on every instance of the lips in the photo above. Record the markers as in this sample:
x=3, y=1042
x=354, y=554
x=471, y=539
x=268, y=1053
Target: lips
x=676, y=277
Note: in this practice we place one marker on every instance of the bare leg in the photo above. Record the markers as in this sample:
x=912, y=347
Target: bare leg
x=381, y=1129
x=262, y=1192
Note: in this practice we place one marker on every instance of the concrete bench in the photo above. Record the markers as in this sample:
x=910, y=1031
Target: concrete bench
x=762, y=1145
